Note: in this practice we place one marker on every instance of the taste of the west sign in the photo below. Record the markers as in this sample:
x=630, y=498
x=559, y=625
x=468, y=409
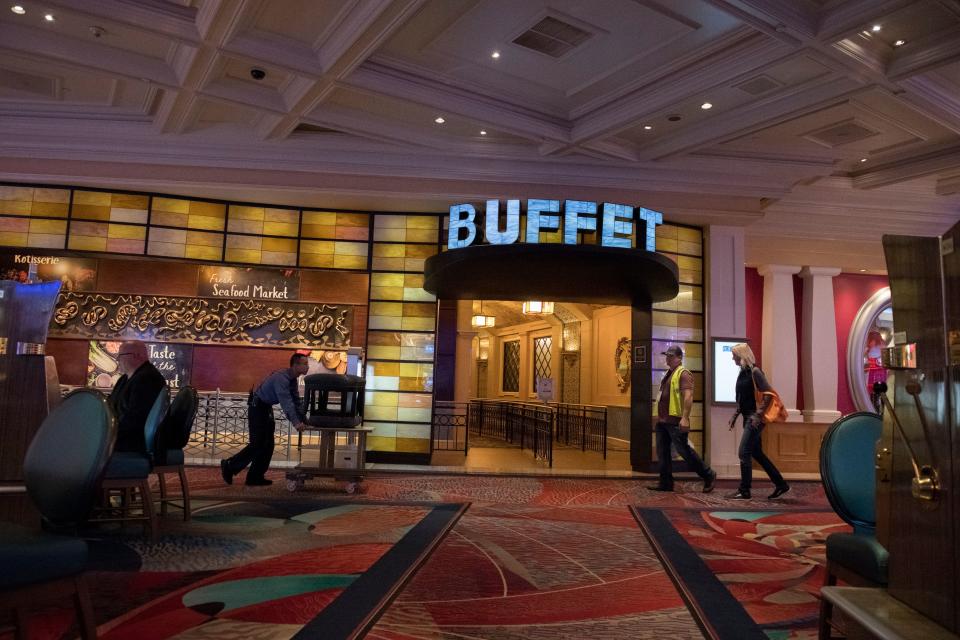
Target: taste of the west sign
x=614, y=222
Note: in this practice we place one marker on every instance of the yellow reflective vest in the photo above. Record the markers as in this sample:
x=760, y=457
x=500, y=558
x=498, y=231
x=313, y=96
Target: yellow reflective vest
x=676, y=401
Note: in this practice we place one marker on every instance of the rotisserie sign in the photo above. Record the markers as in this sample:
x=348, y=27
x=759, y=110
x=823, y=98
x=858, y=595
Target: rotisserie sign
x=74, y=274
x=249, y=284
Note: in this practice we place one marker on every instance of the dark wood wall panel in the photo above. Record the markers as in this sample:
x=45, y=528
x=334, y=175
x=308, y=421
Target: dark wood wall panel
x=158, y=277
x=71, y=358
x=234, y=368
x=330, y=286
x=360, y=314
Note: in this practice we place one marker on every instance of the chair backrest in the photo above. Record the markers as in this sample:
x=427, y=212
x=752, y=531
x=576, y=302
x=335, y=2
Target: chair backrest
x=176, y=427
x=66, y=457
x=319, y=387
x=847, y=459
x=151, y=427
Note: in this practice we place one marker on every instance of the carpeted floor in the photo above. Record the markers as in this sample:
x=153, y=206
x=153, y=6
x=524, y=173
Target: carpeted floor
x=531, y=559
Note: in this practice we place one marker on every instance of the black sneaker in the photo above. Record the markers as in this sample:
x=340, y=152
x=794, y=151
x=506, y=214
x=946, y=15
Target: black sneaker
x=657, y=487
x=779, y=491
x=258, y=482
x=740, y=495
x=708, y=483
x=225, y=472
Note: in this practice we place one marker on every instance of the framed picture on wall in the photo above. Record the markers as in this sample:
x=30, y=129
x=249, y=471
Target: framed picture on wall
x=724, y=371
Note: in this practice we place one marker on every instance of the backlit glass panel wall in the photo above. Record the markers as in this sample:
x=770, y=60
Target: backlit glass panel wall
x=108, y=222
x=262, y=235
x=33, y=217
x=334, y=240
x=401, y=334
x=680, y=321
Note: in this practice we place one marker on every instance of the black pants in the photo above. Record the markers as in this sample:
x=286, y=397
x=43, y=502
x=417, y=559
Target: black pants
x=668, y=434
x=751, y=448
x=259, y=451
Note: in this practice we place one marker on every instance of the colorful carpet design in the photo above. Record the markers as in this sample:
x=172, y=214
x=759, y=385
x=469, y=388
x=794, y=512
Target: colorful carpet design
x=746, y=574
x=267, y=569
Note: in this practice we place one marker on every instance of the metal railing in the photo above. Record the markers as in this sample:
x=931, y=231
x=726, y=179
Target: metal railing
x=221, y=423
x=582, y=425
x=449, y=426
x=528, y=425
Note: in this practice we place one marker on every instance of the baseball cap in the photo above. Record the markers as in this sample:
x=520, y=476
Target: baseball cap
x=673, y=350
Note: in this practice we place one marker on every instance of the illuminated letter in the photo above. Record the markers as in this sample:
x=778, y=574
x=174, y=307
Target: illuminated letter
x=536, y=220
x=512, y=232
x=573, y=222
x=457, y=223
x=617, y=225
x=653, y=218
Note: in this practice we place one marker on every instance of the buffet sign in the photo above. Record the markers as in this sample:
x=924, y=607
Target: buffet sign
x=74, y=274
x=171, y=360
x=613, y=224
x=108, y=316
x=248, y=283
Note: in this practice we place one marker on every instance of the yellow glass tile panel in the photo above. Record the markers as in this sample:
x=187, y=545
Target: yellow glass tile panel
x=87, y=243
x=416, y=400
x=61, y=196
x=13, y=238
x=692, y=248
x=278, y=258
x=209, y=223
x=322, y=218
x=176, y=236
x=172, y=205
x=383, y=338
x=423, y=310
x=417, y=324
x=420, y=251
x=383, y=369
x=353, y=220
x=374, y=412
x=318, y=231
x=411, y=445
x=376, y=352
x=207, y=209
x=384, y=221
x=381, y=443
x=16, y=193
x=128, y=201
x=240, y=212
x=422, y=235
x=196, y=252
x=245, y=226
x=15, y=207
x=124, y=245
x=350, y=248
x=381, y=399
x=95, y=198
x=14, y=224
x=688, y=234
x=387, y=280
x=386, y=293
x=389, y=250
x=386, y=309
x=138, y=216
x=285, y=216
x=668, y=245
x=350, y=262
x=48, y=226
x=389, y=264
x=46, y=240
x=417, y=370
x=316, y=247
x=243, y=255
x=666, y=231
x=170, y=249
x=243, y=242
x=417, y=295
x=168, y=219
x=414, y=415
x=204, y=239
x=90, y=212
x=423, y=222
x=282, y=245
x=413, y=281
x=274, y=228
x=551, y=237
x=50, y=209
x=386, y=322
x=316, y=260
x=390, y=235
x=126, y=231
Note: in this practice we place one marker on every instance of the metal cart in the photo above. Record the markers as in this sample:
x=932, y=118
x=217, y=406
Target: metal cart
x=333, y=443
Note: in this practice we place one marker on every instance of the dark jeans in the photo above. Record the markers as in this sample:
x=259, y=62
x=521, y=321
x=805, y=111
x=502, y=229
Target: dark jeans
x=260, y=450
x=668, y=434
x=751, y=446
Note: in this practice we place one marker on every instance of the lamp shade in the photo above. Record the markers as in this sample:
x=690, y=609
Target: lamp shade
x=537, y=308
x=481, y=321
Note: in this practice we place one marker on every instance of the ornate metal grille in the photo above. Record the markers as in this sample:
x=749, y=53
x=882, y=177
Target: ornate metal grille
x=542, y=363
x=511, y=366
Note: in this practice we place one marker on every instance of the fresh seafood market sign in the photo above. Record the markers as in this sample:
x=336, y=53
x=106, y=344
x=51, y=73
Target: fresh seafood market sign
x=614, y=222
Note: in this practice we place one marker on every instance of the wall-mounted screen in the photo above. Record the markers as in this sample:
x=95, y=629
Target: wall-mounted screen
x=725, y=372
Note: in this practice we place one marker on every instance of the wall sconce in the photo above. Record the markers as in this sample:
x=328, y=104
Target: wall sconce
x=537, y=308
x=482, y=321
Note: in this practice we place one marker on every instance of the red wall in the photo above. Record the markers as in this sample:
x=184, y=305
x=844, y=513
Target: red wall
x=850, y=292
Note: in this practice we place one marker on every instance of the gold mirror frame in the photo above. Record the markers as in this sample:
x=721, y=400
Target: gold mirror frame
x=621, y=364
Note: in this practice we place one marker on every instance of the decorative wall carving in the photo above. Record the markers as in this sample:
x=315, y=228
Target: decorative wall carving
x=570, y=370
x=622, y=364
x=200, y=321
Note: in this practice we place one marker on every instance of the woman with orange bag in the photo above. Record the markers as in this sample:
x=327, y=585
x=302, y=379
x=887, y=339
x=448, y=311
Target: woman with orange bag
x=751, y=383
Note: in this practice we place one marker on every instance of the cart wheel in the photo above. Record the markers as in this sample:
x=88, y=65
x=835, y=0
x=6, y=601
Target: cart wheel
x=353, y=487
x=293, y=485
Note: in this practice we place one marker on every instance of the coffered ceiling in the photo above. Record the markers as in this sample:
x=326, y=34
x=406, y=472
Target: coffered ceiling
x=830, y=120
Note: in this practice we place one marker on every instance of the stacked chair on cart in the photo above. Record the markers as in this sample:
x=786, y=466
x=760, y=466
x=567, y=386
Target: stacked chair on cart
x=62, y=471
x=847, y=469
x=173, y=437
x=128, y=473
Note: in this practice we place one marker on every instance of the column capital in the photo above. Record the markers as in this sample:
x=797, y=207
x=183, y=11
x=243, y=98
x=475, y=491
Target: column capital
x=777, y=269
x=812, y=272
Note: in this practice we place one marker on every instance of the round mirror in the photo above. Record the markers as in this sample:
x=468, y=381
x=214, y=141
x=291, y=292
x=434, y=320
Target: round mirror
x=872, y=331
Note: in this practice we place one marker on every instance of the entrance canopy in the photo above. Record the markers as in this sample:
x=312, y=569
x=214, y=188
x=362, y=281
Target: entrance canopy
x=573, y=273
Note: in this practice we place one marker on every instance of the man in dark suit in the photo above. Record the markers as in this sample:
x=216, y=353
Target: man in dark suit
x=134, y=394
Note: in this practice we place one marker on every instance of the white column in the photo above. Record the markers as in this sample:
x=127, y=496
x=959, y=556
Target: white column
x=780, y=333
x=726, y=318
x=819, y=345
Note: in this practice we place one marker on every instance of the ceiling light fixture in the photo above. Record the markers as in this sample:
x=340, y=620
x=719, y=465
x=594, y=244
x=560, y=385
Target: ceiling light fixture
x=706, y=105
x=875, y=28
x=537, y=308
x=49, y=17
x=17, y=9
x=482, y=132
x=863, y=159
x=481, y=320
x=495, y=55
x=647, y=127
x=863, y=270
x=439, y=120
x=899, y=43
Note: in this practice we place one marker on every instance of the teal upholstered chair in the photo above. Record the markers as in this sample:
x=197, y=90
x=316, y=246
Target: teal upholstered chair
x=128, y=473
x=62, y=470
x=173, y=437
x=847, y=469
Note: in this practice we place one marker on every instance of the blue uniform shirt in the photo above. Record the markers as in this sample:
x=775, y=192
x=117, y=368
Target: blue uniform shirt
x=280, y=388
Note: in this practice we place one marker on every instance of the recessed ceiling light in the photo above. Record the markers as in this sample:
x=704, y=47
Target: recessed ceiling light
x=439, y=120
x=482, y=132
x=863, y=270
x=899, y=43
x=48, y=17
x=875, y=28
x=647, y=127
x=706, y=105
x=17, y=9
x=495, y=55
x=863, y=159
